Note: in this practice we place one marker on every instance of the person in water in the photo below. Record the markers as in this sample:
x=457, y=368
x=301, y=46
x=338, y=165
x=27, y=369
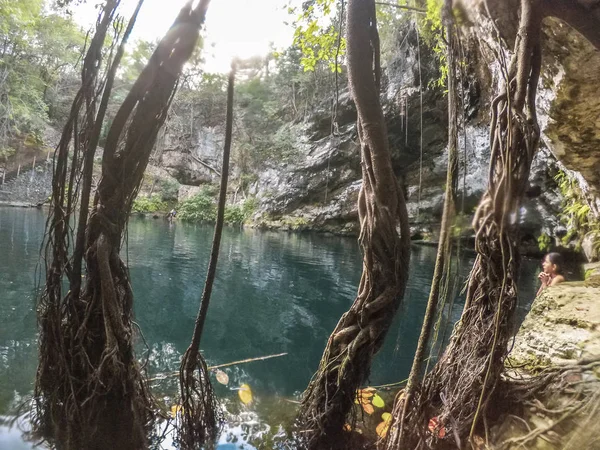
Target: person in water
x=172, y=214
x=551, y=274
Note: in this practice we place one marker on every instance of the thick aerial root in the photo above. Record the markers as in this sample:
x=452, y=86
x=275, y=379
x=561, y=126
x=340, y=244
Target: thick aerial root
x=347, y=358
x=458, y=391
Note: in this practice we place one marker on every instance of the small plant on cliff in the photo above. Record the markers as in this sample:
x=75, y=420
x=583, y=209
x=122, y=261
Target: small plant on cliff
x=544, y=242
x=238, y=214
x=576, y=212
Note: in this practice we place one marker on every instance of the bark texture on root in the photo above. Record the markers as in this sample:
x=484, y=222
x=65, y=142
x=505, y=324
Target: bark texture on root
x=91, y=392
x=385, y=242
x=459, y=388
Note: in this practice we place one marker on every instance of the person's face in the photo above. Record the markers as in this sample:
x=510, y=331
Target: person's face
x=548, y=266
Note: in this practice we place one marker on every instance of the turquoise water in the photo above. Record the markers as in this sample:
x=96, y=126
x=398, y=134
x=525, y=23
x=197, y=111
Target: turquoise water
x=275, y=293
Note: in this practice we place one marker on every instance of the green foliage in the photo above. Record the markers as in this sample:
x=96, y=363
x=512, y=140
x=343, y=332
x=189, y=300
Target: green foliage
x=38, y=54
x=238, y=214
x=460, y=225
x=294, y=223
x=144, y=204
x=544, y=242
x=199, y=209
x=6, y=152
x=576, y=213
x=169, y=190
x=432, y=34
x=202, y=208
x=136, y=59
x=317, y=35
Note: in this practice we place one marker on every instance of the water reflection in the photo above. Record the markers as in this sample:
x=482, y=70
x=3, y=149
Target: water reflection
x=274, y=293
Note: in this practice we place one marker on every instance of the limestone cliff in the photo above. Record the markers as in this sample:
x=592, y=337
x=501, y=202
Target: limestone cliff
x=320, y=190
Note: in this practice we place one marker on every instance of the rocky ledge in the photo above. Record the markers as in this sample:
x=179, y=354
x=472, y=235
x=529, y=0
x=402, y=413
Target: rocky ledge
x=563, y=326
x=562, y=330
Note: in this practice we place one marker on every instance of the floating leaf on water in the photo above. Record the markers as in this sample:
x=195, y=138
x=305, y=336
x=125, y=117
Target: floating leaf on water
x=222, y=377
x=363, y=396
x=378, y=401
x=366, y=393
x=369, y=389
x=368, y=408
x=387, y=417
x=383, y=428
x=245, y=394
x=176, y=409
x=347, y=427
x=365, y=401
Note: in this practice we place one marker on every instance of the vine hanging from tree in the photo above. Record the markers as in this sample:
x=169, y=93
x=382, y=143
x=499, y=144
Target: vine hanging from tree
x=199, y=419
x=441, y=273
x=346, y=362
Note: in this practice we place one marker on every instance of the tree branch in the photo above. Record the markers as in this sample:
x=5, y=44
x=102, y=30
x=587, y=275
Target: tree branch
x=409, y=8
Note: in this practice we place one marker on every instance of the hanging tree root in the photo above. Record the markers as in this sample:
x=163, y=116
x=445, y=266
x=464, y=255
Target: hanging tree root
x=568, y=396
x=360, y=332
x=441, y=273
x=200, y=419
x=57, y=415
x=90, y=392
x=458, y=390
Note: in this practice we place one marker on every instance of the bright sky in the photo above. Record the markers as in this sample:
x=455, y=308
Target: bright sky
x=241, y=28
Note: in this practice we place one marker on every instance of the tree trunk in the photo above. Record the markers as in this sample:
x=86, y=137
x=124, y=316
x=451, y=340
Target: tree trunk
x=91, y=392
x=346, y=362
x=458, y=390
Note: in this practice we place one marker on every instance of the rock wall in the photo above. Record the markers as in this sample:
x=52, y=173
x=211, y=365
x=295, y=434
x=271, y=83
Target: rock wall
x=192, y=160
x=31, y=187
x=322, y=186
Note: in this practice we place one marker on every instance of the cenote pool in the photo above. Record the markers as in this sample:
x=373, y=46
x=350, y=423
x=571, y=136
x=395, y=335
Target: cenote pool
x=275, y=292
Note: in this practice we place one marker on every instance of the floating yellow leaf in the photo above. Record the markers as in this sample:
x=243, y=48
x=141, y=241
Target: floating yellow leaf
x=368, y=408
x=176, y=409
x=387, y=417
x=383, y=428
x=369, y=389
x=363, y=396
x=378, y=401
x=245, y=394
x=366, y=393
x=222, y=377
x=347, y=427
